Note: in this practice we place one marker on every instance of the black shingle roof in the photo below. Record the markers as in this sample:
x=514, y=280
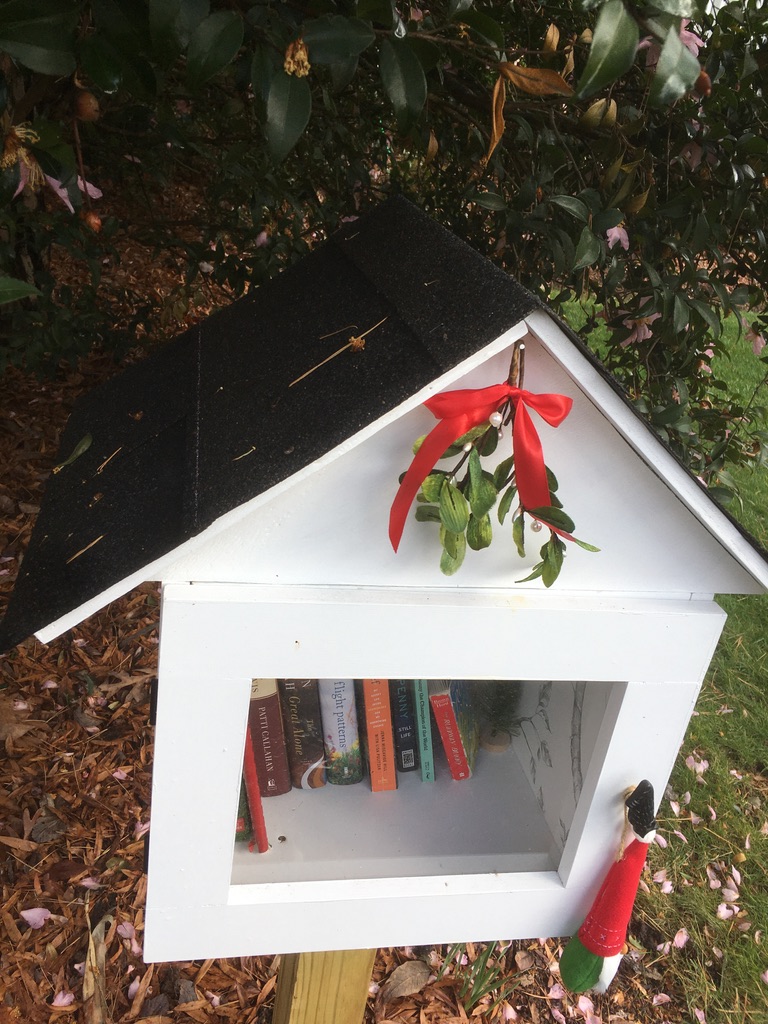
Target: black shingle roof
x=166, y=434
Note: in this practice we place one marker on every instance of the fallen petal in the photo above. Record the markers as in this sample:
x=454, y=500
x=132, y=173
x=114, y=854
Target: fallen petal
x=680, y=938
x=660, y=999
x=36, y=917
x=63, y=998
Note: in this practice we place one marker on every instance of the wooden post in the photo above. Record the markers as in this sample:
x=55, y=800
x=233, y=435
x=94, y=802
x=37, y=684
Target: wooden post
x=323, y=988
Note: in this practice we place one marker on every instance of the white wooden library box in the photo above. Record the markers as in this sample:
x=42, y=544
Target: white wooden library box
x=259, y=495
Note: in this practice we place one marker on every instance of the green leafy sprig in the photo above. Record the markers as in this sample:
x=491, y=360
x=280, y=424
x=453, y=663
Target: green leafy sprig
x=460, y=501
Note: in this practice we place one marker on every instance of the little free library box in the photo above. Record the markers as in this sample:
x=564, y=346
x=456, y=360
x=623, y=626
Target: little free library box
x=254, y=476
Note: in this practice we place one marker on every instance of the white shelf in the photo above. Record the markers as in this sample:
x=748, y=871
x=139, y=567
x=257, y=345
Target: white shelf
x=489, y=823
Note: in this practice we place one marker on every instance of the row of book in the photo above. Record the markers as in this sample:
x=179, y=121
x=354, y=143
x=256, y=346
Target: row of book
x=306, y=733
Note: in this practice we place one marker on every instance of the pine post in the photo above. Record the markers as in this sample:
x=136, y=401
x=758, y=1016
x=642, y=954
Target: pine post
x=323, y=988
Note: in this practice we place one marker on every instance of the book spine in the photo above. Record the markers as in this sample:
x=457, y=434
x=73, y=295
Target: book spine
x=343, y=758
x=300, y=705
x=253, y=793
x=381, y=744
x=268, y=740
x=424, y=729
x=404, y=725
x=448, y=727
x=243, y=823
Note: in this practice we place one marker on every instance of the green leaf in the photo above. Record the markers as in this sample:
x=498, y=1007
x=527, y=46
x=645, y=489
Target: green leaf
x=454, y=510
x=288, y=109
x=537, y=571
x=380, y=11
x=456, y=7
x=680, y=314
x=587, y=251
x=164, y=16
x=481, y=492
x=612, y=53
x=404, y=83
x=485, y=29
x=212, y=46
x=432, y=486
x=427, y=514
x=333, y=39
x=506, y=503
x=450, y=540
x=707, y=313
x=479, y=532
x=678, y=8
x=553, y=517
x=518, y=534
x=552, y=554
x=503, y=472
x=583, y=544
x=574, y=206
x=489, y=200
x=101, y=62
x=449, y=564
x=551, y=480
x=343, y=73
x=676, y=71
x=262, y=72
x=11, y=290
x=40, y=34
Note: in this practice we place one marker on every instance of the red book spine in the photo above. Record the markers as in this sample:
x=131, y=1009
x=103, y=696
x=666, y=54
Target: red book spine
x=253, y=791
x=269, y=749
x=381, y=740
x=448, y=727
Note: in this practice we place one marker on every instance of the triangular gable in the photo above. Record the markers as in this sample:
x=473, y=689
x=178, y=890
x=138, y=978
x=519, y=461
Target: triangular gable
x=328, y=525
x=217, y=434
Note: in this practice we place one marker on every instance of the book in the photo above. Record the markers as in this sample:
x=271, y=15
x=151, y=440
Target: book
x=300, y=704
x=424, y=729
x=265, y=723
x=258, y=840
x=341, y=738
x=404, y=725
x=380, y=739
x=243, y=823
x=458, y=722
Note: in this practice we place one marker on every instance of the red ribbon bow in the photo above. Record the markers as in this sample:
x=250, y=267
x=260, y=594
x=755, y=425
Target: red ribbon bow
x=458, y=412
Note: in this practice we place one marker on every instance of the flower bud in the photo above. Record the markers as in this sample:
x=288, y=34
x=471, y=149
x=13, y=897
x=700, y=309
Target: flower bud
x=86, y=106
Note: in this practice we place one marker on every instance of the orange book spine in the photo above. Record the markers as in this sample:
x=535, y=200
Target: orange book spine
x=381, y=741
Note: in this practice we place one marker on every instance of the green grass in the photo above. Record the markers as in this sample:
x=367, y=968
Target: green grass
x=719, y=968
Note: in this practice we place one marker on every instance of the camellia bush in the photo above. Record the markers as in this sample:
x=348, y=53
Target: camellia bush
x=612, y=156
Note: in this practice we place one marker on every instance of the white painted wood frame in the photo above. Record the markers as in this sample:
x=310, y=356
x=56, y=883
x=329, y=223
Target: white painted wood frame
x=216, y=637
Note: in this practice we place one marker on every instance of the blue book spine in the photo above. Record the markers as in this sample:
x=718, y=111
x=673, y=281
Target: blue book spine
x=423, y=729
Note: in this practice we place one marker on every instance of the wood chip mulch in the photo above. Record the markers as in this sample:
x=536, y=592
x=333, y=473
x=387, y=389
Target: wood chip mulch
x=75, y=765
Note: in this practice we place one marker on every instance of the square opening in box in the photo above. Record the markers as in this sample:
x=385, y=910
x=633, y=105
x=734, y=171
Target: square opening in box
x=539, y=751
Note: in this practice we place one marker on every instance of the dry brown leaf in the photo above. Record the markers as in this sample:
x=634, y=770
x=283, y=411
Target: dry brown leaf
x=405, y=980
x=552, y=38
x=94, y=976
x=13, y=723
x=524, y=960
x=536, y=81
x=498, y=125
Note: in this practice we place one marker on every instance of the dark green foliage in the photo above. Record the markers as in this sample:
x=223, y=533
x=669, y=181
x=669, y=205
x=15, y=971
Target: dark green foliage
x=616, y=179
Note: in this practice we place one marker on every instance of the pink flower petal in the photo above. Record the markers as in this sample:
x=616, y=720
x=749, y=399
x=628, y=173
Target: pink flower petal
x=700, y=1016
x=660, y=840
x=213, y=998
x=63, y=998
x=556, y=991
x=120, y=775
x=764, y=977
x=90, y=883
x=679, y=835
x=660, y=999
x=680, y=939
x=36, y=916
x=736, y=875
x=133, y=988
x=585, y=1004
x=724, y=912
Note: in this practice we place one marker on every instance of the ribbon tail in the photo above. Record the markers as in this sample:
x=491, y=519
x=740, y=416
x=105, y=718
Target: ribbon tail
x=532, y=485
x=433, y=446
